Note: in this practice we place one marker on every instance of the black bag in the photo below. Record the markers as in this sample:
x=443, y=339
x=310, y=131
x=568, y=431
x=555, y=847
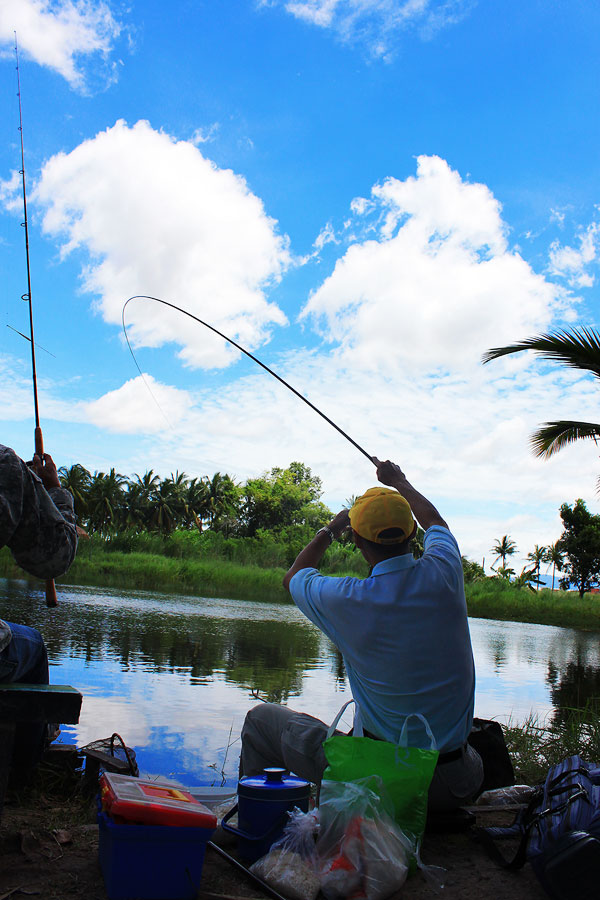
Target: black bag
x=559, y=832
x=487, y=738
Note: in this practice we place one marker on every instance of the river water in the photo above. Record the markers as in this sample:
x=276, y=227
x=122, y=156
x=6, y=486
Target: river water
x=175, y=675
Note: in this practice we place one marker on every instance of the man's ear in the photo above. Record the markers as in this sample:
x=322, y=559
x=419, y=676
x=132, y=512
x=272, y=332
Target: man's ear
x=362, y=544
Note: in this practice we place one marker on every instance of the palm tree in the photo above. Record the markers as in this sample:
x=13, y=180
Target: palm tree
x=178, y=485
x=555, y=557
x=105, y=498
x=196, y=502
x=221, y=497
x=163, y=507
x=148, y=482
x=537, y=557
x=503, y=548
x=578, y=349
x=526, y=578
x=76, y=479
x=136, y=501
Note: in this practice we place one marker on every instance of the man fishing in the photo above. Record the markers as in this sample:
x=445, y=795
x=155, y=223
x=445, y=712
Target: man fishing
x=404, y=637
x=37, y=523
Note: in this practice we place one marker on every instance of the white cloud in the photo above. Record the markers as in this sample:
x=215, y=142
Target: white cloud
x=62, y=35
x=573, y=263
x=436, y=286
x=360, y=205
x=558, y=216
x=156, y=217
x=10, y=191
x=325, y=236
x=15, y=388
x=205, y=135
x=140, y=406
x=407, y=314
x=462, y=438
x=377, y=23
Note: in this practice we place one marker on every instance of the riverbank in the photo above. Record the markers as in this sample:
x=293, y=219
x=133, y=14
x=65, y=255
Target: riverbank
x=212, y=575
x=49, y=848
x=492, y=598
x=49, y=839
x=51, y=851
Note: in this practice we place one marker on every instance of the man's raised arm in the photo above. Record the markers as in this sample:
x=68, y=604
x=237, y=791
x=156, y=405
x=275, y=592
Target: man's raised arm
x=423, y=510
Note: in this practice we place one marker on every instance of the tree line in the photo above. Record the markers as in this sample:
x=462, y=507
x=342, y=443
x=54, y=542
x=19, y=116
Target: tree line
x=576, y=554
x=286, y=504
x=108, y=503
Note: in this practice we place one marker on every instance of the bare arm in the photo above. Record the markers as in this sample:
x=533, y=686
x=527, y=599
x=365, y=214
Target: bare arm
x=423, y=510
x=311, y=556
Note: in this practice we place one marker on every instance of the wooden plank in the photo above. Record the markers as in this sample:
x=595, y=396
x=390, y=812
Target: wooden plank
x=38, y=688
x=39, y=703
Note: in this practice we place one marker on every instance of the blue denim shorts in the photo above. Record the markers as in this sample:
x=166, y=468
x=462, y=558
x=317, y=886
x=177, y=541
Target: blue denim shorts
x=24, y=660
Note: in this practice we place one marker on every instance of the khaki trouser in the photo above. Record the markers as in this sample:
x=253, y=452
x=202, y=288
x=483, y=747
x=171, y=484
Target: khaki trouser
x=274, y=735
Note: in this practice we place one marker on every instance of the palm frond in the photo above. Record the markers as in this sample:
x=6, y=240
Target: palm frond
x=554, y=436
x=578, y=348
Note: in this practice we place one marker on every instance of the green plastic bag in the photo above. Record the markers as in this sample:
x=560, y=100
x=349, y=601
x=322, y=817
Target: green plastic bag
x=406, y=772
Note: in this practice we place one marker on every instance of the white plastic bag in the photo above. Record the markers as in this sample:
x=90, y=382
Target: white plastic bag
x=361, y=850
x=506, y=796
x=290, y=864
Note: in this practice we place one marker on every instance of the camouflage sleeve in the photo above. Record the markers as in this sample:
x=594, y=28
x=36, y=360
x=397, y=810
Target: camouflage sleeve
x=37, y=525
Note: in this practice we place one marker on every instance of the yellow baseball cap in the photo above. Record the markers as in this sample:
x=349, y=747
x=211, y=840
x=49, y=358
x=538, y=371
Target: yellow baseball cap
x=378, y=509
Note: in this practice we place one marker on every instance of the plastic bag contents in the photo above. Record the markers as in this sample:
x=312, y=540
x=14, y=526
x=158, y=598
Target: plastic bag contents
x=362, y=852
x=507, y=796
x=290, y=864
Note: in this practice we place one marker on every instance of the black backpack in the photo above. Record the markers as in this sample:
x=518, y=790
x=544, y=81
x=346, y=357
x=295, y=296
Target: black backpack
x=487, y=738
x=559, y=832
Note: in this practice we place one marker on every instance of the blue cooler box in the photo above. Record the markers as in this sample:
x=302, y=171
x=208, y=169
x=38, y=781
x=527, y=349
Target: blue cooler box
x=151, y=862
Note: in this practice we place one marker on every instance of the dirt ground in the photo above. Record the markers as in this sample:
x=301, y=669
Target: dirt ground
x=49, y=849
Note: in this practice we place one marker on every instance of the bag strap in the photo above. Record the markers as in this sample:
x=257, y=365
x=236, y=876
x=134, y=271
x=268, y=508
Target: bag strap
x=524, y=822
x=132, y=765
x=336, y=721
x=403, y=740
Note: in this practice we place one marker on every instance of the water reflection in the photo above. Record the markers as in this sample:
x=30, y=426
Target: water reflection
x=577, y=688
x=523, y=668
x=176, y=675
x=267, y=654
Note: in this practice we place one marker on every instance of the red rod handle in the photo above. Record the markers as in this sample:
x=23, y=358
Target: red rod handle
x=51, y=599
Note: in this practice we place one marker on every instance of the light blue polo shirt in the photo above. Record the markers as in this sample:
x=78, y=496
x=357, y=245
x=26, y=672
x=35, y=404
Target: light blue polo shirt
x=404, y=636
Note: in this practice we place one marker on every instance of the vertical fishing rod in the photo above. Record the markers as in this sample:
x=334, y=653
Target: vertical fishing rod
x=51, y=599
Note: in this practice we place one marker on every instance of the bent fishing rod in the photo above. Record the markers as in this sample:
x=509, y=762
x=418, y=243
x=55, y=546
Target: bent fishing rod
x=51, y=599
x=246, y=352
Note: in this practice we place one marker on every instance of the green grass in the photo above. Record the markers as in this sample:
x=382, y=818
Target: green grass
x=534, y=746
x=207, y=564
x=491, y=598
x=206, y=577
x=146, y=571
x=252, y=569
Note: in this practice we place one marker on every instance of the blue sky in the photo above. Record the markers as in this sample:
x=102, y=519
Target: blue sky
x=367, y=194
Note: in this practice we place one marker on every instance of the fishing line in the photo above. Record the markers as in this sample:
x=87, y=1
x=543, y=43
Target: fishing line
x=246, y=352
x=37, y=343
